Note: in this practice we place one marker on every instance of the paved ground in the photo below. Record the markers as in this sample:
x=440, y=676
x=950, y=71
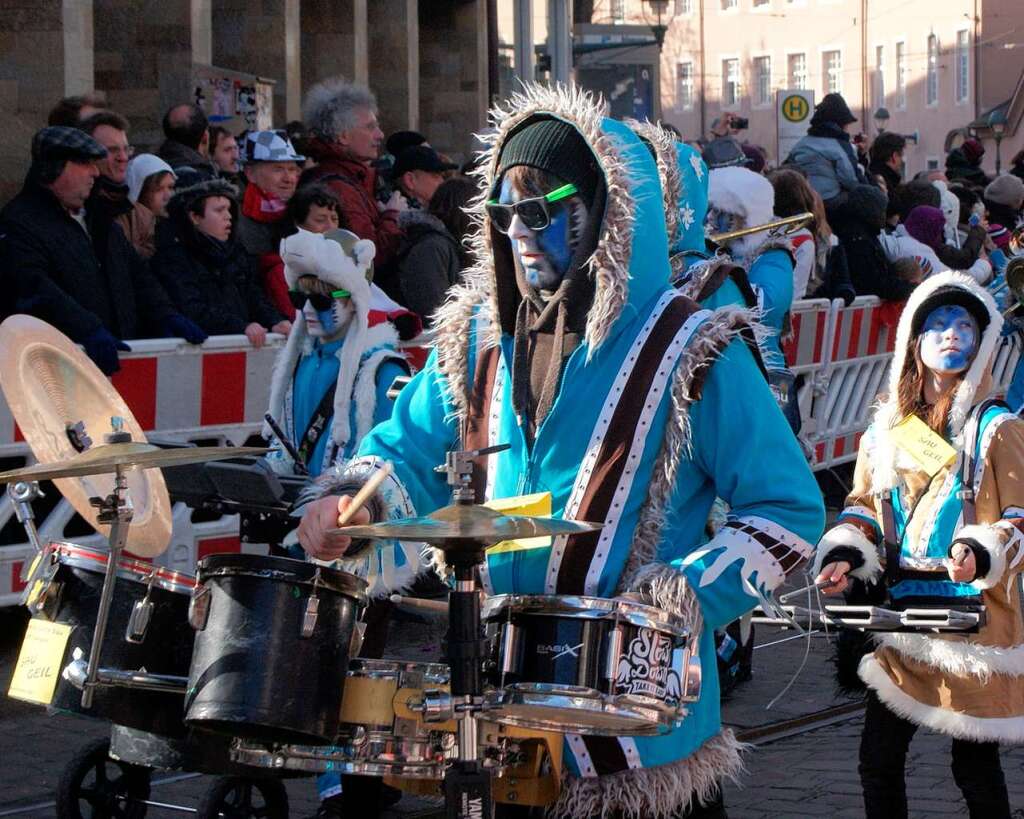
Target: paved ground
x=808, y=774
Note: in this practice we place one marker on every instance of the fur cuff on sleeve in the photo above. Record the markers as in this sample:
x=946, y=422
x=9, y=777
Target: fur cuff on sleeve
x=849, y=536
x=995, y=541
x=666, y=588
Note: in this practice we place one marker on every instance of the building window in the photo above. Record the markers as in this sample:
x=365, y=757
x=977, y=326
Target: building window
x=730, y=5
x=762, y=80
x=832, y=71
x=963, y=70
x=684, y=85
x=730, y=82
x=618, y=11
x=932, y=163
x=797, y=71
x=684, y=6
x=878, y=86
x=901, y=75
x=932, y=84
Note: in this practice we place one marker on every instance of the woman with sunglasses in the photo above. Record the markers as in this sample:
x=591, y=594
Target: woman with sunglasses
x=331, y=379
x=623, y=400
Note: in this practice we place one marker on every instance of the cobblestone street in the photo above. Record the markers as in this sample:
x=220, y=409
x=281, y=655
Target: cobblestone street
x=800, y=774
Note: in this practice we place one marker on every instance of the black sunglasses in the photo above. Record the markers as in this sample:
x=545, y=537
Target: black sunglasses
x=319, y=301
x=533, y=212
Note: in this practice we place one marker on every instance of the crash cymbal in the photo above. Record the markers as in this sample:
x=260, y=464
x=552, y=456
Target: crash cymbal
x=63, y=405
x=472, y=523
x=105, y=458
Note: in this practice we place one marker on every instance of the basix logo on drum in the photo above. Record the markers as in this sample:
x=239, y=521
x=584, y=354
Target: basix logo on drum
x=558, y=650
x=647, y=669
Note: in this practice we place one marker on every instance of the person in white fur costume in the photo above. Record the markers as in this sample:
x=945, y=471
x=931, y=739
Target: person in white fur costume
x=952, y=530
x=331, y=379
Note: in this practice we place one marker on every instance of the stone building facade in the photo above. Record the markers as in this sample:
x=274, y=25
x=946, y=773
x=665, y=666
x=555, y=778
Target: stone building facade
x=425, y=59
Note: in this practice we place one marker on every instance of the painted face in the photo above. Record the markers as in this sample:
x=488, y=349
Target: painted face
x=949, y=339
x=718, y=221
x=330, y=324
x=544, y=254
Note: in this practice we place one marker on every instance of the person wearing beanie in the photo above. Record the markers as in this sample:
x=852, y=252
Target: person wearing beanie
x=826, y=156
x=565, y=320
x=919, y=235
x=207, y=271
x=74, y=268
x=964, y=164
x=942, y=546
x=1004, y=198
x=955, y=251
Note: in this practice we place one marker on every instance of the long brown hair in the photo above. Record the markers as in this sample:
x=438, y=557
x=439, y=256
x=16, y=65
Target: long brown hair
x=910, y=394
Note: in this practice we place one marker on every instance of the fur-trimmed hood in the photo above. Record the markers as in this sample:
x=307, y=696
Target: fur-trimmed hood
x=684, y=185
x=973, y=388
x=743, y=192
x=629, y=266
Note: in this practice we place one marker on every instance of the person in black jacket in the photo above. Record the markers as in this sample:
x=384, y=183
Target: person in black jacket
x=431, y=257
x=964, y=163
x=887, y=158
x=208, y=273
x=857, y=223
x=76, y=269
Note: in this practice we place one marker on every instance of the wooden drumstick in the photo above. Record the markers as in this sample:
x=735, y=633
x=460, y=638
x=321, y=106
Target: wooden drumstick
x=363, y=495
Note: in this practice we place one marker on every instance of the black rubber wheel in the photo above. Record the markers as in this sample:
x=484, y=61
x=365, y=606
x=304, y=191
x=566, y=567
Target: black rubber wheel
x=94, y=786
x=239, y=797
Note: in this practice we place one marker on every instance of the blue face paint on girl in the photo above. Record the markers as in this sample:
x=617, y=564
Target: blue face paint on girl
x=949, y=339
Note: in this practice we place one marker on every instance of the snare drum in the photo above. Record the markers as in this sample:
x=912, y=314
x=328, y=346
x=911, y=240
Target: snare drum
x=271, y=647
x=588, y=665
x=381, y=734
x=147, y=629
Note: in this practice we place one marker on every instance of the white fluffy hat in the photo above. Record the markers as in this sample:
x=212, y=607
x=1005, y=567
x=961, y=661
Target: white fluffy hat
x=743, y=192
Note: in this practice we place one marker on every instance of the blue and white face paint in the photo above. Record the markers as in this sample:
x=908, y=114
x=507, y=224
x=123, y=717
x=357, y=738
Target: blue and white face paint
x=328, y=325
x=949, y=339
x=545, y=255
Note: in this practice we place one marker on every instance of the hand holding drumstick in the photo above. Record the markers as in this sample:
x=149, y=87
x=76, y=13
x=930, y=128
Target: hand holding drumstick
x=316, y=533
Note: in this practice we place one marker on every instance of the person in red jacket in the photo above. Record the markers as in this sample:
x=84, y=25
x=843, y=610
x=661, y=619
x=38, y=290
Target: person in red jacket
x=345, y=139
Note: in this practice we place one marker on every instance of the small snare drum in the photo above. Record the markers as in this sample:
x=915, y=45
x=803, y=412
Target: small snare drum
x=588, y=665
x=381, y=734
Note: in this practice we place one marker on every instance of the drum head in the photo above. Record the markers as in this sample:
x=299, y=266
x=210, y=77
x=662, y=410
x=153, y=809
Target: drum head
x=61, y=401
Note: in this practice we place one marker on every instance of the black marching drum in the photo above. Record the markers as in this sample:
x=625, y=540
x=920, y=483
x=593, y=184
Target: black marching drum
x=272, y=645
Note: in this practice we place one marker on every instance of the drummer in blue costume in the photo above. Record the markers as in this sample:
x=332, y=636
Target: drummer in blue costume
x=568, y=310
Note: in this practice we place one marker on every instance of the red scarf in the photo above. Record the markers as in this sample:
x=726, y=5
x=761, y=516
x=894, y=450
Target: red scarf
x=261, y=206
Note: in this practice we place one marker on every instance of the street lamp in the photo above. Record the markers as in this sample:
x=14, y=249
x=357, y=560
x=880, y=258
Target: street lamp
x=997, y=122
x=881, y=118
x=659, y=7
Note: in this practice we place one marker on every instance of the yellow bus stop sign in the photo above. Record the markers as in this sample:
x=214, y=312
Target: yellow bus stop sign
x=795, y=108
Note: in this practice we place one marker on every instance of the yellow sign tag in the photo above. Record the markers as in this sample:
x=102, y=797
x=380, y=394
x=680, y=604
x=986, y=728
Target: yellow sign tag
x=795, y=108
x=39, y=663
x=536, y=505
x=920, y=442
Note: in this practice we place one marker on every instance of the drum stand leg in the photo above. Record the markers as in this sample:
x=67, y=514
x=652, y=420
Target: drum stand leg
x=115, y=509
x=467, y=785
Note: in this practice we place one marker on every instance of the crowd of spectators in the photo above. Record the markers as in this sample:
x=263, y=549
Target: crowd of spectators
x=110, y=245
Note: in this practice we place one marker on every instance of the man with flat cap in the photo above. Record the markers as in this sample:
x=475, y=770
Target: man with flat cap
x=81, y=275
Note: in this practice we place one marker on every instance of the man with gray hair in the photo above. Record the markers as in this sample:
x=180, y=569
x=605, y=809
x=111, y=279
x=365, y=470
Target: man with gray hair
x=344, y=140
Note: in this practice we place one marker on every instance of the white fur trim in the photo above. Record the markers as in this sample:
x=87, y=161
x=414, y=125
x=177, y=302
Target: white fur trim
x=743, y=192
x=365, y=390
x=848, y=535
x=956, y=655
x=668, y=589
x=996, y=540
x=653, y=793
x=951, y=723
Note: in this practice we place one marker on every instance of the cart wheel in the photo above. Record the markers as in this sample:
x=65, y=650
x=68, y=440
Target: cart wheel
x=97, y=786
x=238, y=797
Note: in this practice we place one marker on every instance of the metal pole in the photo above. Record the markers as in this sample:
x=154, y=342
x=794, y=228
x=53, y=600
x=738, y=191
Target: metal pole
x=560, y=39
x=523, y=40
x=120, y=517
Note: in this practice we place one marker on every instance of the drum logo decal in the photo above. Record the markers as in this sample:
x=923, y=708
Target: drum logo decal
x=560, y=650
x=646, y=668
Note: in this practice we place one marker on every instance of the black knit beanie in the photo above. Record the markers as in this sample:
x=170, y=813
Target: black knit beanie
x=557, y=148
x=832, y=108
x=947, y=295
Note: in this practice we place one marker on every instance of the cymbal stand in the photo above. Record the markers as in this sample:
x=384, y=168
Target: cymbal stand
x=116, y=510
x=467, y=784
x=22, y=494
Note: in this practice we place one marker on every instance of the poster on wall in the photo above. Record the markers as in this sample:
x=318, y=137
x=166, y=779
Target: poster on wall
x=233, y=99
